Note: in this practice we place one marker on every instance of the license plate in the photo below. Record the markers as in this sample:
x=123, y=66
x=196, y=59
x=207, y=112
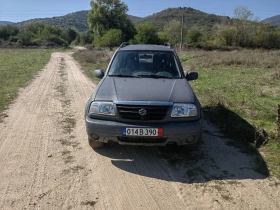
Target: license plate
x=142, y=132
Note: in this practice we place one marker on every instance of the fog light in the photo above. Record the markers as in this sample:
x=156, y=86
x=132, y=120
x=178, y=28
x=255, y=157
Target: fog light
x=94, y=136
x=190, y=139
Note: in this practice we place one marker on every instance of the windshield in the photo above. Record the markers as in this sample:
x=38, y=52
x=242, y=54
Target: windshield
x=153, y=64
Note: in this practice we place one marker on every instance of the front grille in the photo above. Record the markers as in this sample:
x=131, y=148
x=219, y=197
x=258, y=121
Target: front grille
x=142, y=139
x=153, y=112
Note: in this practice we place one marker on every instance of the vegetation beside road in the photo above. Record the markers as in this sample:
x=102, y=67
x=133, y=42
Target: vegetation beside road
x=17, y=67
x=240, y=91
x=92, y=59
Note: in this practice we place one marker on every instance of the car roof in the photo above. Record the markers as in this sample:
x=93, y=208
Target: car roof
x=147, y=47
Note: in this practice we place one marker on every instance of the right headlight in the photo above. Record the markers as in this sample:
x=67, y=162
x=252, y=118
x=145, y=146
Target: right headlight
x=102, y=108
x=184, y=110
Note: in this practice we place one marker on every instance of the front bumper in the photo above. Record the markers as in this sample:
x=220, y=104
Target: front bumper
x=179, y=133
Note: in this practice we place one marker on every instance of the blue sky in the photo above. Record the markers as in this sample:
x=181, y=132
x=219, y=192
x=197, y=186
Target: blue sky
x=19, y=10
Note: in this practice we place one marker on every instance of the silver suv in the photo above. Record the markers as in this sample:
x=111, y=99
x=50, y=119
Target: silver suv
x=144, y=98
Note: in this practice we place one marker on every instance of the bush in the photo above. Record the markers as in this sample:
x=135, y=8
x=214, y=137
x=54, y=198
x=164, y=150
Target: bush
x=193, y=36
x=111, y=39
x=70, y=35
x=13, y=39
x=36, y=42
x=85, y=38
x=58, y=40
x=226, y=36
x=7, y=31
x=147, y=34
x=25, y=37
x=272, y=41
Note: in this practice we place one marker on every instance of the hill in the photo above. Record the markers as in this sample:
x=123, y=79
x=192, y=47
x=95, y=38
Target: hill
x=4, y=23
x=192, y=17
x=275, y=20
x=134, y=19
x=76, y=20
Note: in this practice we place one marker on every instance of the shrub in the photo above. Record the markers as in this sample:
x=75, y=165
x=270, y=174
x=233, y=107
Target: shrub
x=58, y=40
x=193, y=36
x=226, y=36
x=146, y=34
x=13, y=39
x=111, y=39
x=25, y=37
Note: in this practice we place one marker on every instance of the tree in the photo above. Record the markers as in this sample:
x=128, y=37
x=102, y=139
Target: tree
x=245, y=28
x=112, y=38
x=25, y=37
x=70, y=35
x=172, y=31
x=193, y=36
x=7, y=31
x=35, y=28
x=85, y=38
x=147, y=34
x=110, y=14
x=226, y=35
x=243, y=13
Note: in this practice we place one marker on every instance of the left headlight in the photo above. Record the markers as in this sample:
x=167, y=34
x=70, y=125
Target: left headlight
x=184, y=110
x=103, y=108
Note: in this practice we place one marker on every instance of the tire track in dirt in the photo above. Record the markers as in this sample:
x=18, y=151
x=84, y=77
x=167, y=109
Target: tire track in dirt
x=46, y=162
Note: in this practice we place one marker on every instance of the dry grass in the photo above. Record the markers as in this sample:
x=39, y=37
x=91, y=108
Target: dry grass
x=245, y=58
x=92, y=59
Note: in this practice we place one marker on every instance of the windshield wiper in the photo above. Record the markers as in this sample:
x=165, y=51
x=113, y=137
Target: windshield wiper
x=157, y=76
x=125, y=75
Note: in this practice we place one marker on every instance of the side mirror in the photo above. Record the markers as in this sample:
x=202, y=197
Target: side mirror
x=192, y=76
x=99, y=74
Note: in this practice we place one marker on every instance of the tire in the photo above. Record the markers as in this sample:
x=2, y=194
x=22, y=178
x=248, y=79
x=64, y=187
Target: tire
x=95, y=144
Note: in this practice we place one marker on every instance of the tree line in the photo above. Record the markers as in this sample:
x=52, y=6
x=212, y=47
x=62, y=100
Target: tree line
x=109, y=26
x=36, y=34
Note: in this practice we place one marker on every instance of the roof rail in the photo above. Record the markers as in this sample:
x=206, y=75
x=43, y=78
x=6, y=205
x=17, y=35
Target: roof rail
x=167, y=45
x=124, y=44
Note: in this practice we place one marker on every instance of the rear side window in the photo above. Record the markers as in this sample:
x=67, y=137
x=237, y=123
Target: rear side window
x=144, y=63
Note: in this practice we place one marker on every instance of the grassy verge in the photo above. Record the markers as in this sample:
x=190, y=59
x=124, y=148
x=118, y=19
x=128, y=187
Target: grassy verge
x=240, y=91
x=17, y=67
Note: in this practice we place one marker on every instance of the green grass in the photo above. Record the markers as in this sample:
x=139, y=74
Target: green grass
x=250, y=90
x=241, y=91
x=17, y=67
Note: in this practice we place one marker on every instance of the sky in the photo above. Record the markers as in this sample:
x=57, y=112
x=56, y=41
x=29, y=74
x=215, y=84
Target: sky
x=19, y=10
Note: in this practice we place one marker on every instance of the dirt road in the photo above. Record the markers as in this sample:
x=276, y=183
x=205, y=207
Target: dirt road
x=46, y=162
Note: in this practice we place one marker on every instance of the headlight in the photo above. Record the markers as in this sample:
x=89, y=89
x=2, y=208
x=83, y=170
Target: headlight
x=103, y=108
x=184, y=110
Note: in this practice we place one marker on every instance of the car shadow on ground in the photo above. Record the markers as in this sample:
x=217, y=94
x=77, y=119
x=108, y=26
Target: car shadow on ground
x=218, y=158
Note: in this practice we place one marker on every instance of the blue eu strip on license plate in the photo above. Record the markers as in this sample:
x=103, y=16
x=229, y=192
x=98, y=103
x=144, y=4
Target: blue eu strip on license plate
x=124, y=131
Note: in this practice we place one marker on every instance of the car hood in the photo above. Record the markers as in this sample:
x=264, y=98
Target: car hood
x=144, y=89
